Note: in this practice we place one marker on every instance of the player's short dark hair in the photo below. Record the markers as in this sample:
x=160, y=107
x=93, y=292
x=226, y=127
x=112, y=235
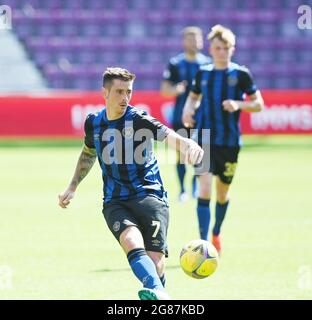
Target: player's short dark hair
x=116, y=73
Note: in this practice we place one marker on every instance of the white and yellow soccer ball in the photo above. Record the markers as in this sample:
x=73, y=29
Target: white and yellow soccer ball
x=199, y=259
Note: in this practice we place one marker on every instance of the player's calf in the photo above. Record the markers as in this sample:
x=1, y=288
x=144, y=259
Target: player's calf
x=216, y=241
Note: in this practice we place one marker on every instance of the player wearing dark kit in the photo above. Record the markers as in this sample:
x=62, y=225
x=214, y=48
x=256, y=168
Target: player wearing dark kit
x=135, y=202
x=177, y=82
x=215, y=102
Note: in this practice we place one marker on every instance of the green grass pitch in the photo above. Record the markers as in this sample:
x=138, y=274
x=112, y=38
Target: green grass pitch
x=70, y=254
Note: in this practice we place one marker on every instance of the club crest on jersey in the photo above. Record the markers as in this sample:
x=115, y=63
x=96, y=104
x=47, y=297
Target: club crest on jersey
x=232, y=81
x=128, y=132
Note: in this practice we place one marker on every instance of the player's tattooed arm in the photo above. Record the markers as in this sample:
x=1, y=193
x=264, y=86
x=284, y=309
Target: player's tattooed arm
x=84, y=165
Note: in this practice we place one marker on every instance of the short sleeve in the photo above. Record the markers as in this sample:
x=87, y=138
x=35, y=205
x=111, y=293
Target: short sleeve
x=196, y=86
x=171, y=73
x=88, y=129
x=247, y=82
x=144, y=121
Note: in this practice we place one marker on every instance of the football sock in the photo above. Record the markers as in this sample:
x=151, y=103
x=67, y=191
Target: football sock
x=163, y=280
x=181, y=174
x=144, y=269
x=203, y=214
x=220, y=214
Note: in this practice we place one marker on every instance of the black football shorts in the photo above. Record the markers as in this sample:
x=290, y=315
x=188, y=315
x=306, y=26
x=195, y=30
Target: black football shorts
x=223, y=162
x=149, y=214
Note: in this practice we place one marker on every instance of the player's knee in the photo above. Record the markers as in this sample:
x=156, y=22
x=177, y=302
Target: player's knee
x=204, y=191
x=130, y=239
x=222, y=197
x=204, y=194
x=205, y=186
x=222, y=200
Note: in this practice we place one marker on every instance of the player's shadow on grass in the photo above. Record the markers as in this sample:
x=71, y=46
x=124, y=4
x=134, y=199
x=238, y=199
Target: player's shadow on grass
x=127, y=269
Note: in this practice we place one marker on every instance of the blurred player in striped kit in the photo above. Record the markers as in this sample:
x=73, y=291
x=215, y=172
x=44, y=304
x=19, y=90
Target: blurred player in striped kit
x=177, y=81
x=215, y=102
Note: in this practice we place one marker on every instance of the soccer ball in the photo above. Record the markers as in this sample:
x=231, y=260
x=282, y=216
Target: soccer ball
x=199, y=259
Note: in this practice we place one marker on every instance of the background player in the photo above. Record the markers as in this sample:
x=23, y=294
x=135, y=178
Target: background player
x=135, y=205
x=177, y=81
x=220, y=87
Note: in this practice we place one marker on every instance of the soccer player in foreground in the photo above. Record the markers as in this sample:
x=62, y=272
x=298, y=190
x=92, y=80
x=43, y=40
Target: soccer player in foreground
x=135, y=203
x=217, y=98
x=177, y=81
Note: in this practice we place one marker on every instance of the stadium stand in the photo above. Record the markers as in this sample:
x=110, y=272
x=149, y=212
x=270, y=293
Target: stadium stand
x=72, y=41
x=17, y=72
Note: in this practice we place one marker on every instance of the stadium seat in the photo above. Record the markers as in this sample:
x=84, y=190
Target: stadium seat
x=141, y=33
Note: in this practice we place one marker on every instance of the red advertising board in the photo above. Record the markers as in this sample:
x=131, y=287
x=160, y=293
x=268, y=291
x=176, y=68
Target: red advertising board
x=63, y=114
x=285, y=112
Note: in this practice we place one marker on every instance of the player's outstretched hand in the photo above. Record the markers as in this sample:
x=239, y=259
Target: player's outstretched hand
x=194, y=153
x=65, y=197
